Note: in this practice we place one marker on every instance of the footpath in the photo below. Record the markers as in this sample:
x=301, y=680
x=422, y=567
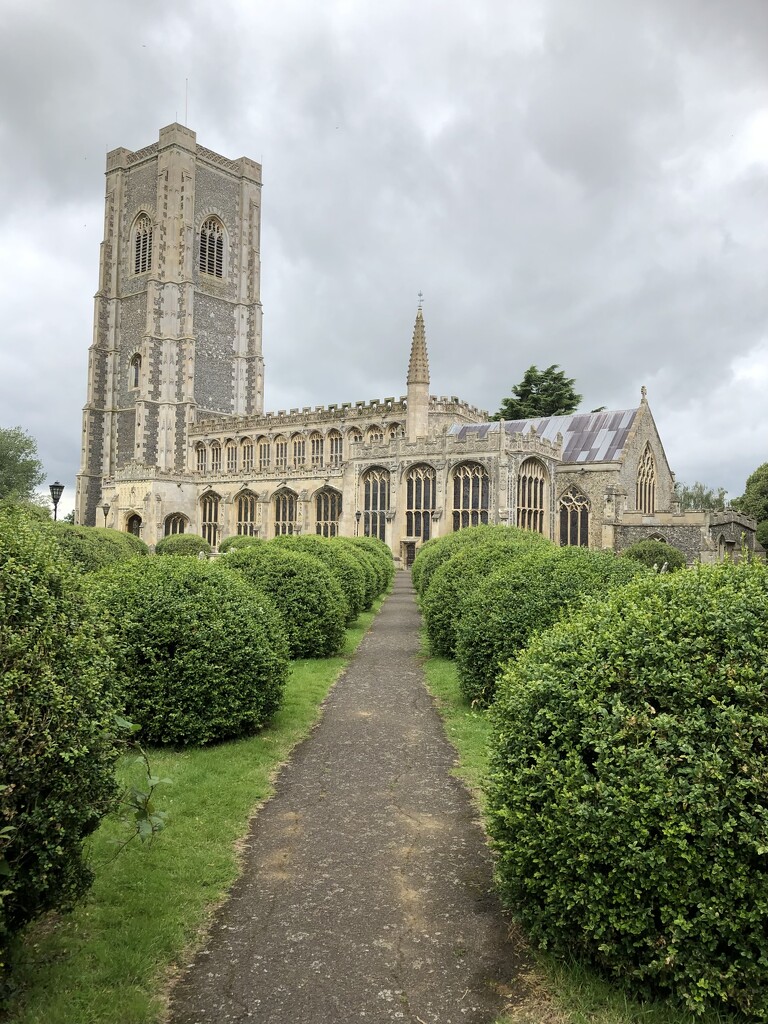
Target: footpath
x=365, y=893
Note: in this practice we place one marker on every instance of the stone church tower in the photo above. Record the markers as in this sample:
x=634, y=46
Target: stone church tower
x=177, y=323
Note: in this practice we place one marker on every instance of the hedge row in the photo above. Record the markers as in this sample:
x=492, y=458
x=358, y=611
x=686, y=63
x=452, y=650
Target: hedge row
x=628, y=797
x=90, y=548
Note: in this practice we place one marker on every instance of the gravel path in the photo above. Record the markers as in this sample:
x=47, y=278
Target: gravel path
x=365, y=892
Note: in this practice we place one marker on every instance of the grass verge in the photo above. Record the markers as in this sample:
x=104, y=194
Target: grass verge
x=110, y=960
x=558, y=992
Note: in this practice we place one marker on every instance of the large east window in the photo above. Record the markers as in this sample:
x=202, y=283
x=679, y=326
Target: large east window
x=645, y=490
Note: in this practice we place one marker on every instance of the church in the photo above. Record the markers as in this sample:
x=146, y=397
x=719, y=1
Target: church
x=176, y=440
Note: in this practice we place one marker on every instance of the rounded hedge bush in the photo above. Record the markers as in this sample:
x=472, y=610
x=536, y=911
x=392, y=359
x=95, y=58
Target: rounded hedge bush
x=372, y=570
x=528, y=594
x=383, y=556
x=455, y=580
x=200, y=655
x=56, y=716
x=655, y=554
x=190, y=544
x=90, y=548
x=341, y=564
x=242, y=541
x=628, y=795
x=305, y=593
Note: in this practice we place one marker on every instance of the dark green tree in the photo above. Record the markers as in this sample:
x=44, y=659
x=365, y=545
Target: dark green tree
x=754, y=501
x=698, y=496
x=540, y=393
x=20, y=469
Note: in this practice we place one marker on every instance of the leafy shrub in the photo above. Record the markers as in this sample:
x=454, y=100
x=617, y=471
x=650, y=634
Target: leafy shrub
x=526, y=595
x=242, y=541
x=341, y=564
x=454, y=582
x=367, y=562
x=200, y=656
x=383, y=557
x=655, y=554
x=90, y=548
x=628, y=798
x=183, y=544
x=55, y=718
x=308, y=598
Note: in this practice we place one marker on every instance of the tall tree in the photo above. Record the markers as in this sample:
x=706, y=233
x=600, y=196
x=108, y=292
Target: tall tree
x=20, y=469
x=754, y=501
x=540, y=393
x=698, y=496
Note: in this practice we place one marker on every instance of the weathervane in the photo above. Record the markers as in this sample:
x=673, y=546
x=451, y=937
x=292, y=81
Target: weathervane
x=421, y=299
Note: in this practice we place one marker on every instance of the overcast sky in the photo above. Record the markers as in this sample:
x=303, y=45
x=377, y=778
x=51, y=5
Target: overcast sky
x=581, y=182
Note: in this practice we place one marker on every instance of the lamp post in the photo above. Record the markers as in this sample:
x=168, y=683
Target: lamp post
x=358, y=516
x=105, y=510
x=56, y=489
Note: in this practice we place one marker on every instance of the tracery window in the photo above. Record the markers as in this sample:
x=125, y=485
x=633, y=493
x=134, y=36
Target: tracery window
x=281, y=452
x=334, y=448
x=532, y=496
x=299, y=450
x=645, y=491
x=215, y=457
x=135, y=371
x=247, y=453
x=395, y=430
x=211, y=253
x=209, y=505
x=246, y=514
x=174, y=523
x=471, y=495
x=231, y=457
x=327, y=512
x=285, y=513
x=375, y=435
x=202, y=458
x=355, y=437
x=375, y=502
x=142, y=245
x=316, y=449
x=263, y=453
x=574, y=519
x=420, y=501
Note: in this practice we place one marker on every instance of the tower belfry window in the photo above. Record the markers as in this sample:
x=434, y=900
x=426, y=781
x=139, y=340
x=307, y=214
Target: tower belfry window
x=142, y=245
x=211, y=255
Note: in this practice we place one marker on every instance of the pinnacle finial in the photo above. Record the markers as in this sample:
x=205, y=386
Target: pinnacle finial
x=418, y=367
x=643, y=394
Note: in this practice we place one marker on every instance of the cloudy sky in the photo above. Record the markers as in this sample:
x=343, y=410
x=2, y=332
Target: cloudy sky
x=581, y=182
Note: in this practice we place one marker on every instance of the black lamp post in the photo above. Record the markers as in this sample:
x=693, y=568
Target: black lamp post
x=56, y=489
x=358, y=516
x=105, y=510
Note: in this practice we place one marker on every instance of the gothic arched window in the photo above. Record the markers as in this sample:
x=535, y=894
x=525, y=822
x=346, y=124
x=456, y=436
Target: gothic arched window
x=174, y=523
x=419, y=501
x=202, y=457
x=316, y=449
x=471, y=495
x=211, y=252
x=645, y=491
x=285, y=513
x=231, y=457
x=246, y=451
x=246, y=514
x=375, y=502
x=135, y=371
x=281, y=452
x=394, y=431
x=215, y=457
x=209, y=507
x=263, y=453
x=574, y=519
x=334, y=448
x=142, y=244
x=133, y=524
x=299, y=450
x=374, y=435
x=532, y=496
x=327, y=512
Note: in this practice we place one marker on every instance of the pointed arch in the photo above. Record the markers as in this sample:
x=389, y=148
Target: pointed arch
x=264, y=449
x=201, y=457
x=645, y=489
x=375, y=483
x=210, y=505
x=299, y=450
x=574, y=509
x=281, y=452
x=230, y=448
x=316, y=446
x=419, y=500
x=175, y=523
x=374, y=434
x=211, y=248
x=215, y=457
x=142, y=244
x=335, y=448
x=284, y=504
x=246, y=454
x=247, y=509
x=471, y=495
x=532, y=494
x=327, y=512
x=133, y=524
x=134, y=372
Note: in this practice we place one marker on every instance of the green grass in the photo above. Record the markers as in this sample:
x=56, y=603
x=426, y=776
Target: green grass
x=109, y=961
x=558, y=992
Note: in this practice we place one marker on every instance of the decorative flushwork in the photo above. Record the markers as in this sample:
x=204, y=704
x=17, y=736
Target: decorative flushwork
x=574, y=519
x=645, y=495
x=471, y=495
x=419, y=501
x=532, y=482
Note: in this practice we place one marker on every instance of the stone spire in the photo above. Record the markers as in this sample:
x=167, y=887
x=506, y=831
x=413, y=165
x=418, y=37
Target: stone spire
x=417, y=418
x=418, y=367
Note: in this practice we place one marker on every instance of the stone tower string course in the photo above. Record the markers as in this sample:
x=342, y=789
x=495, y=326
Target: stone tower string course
x=178, y=320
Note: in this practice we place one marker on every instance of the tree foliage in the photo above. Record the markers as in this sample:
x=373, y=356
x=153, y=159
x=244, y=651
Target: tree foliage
x=540, y=393
x=697, y=496
x=20, y=469
x=754, y=501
